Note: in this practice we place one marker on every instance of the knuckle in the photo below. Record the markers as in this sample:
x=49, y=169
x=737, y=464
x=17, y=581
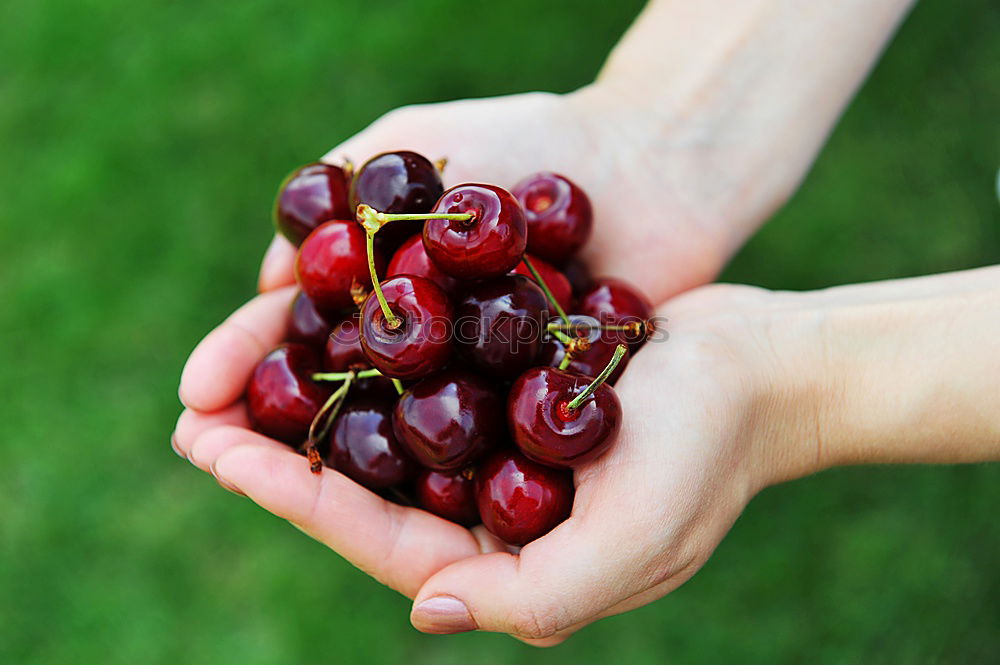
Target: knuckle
x=534, y=623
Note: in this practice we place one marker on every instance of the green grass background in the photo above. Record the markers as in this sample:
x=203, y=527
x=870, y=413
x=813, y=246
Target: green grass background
x=140, y=145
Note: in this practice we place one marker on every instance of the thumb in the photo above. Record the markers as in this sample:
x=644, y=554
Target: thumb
x=585, y=566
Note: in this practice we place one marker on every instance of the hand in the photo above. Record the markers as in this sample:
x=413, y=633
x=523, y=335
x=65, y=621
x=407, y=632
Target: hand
x=648, y=227
x=646, y=516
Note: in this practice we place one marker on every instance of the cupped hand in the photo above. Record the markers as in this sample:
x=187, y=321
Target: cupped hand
x=651, y=227
x=646, y=517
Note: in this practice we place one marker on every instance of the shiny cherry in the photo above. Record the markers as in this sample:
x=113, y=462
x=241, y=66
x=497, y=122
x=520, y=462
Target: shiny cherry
x=343, y=347
x=364, y=448
x=282, y=398
x=421, y=344
x=411, y=259
x=500, y=324
x=548, y=431
x=309, y=196
x=554, y=279
x=578, y=275
x=448, y=494
x=614, y=302
x=589, y=362
x=559, y=215
x=331, y=260
x=520, y=500
x=307, y=325
x=397, y=182
x=489, y=244
x=449, y=419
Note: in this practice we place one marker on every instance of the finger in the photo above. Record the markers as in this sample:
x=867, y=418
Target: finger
x=399, y=546
x=278, y=267
x=217, y=372
x=192, y=423
x=213, y=442
x=583, y=567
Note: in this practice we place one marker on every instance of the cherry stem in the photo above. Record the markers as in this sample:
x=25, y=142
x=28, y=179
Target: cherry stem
x=341, y=376
x=560, y=335
x=372, y=220
x=620, y=351
x=391, y=320
x=320, y=425
x=398, y=385
x=545, y=289
x=634, y=327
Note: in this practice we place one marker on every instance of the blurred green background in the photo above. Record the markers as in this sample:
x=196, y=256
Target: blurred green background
x=141, y=146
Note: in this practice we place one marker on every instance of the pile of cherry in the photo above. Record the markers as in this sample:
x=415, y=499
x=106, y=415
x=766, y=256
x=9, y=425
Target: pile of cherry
x=450, y=376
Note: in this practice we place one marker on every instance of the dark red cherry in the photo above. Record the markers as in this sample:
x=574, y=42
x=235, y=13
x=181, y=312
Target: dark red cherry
x=550, y=433
x=558, y=213
x=397, y=182
x=589, y=362
x=363, y=447
x=615, y=302
x=449, y=494
x=421, y=344
x=343, y=347
x=282, y=398
x=489, y=244
x=520, y=500
x=412, y=259
x=500, y=325
x=578, y=275
x=450, y=419
x=307, y=325
x=555, y=280
x=309, y=196
x=332, y=259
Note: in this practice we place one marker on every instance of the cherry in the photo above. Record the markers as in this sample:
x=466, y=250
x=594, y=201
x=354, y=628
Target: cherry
x=589, y=362
x=520, y=500
x=559, y=215
x=412, y=259
x=419, y=343
x=578, y=275
x=448, y=420
x=500, y=324
x=615, y=302
x=307, y=325
x=488, y=244
x=397, y=182
x=551, y=428
x=332, y=260
x=309, y=196
x=364, y=448
x=282, y=398
x=451, y=495
x=343, y=347
x=555, y=280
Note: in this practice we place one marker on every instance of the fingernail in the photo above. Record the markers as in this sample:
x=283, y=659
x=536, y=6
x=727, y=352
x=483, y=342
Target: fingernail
x=442, y=615
x=225, y=484
x=173, y=444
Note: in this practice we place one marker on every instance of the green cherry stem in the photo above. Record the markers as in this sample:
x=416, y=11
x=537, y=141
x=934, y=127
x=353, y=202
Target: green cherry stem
x=601, y=378
x=398, y=385
x=372, y=220
x=320, y=425
x=634, y=327
x=545, y=289
x=341, y=376
x=391, y=320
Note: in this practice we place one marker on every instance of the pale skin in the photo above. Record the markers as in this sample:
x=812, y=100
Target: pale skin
x=753, y=387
